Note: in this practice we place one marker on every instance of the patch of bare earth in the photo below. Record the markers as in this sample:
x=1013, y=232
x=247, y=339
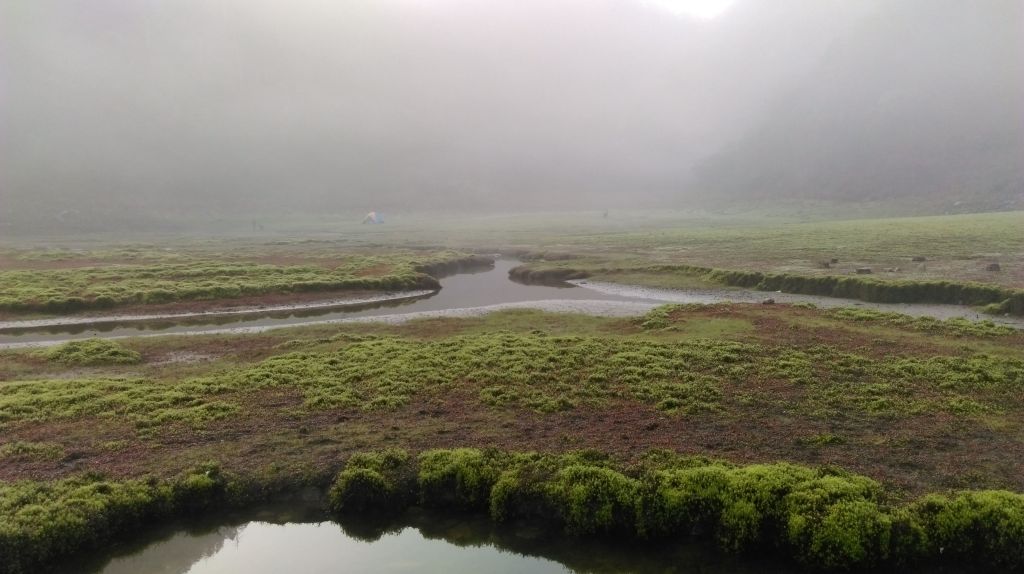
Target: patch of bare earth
x=913, y=454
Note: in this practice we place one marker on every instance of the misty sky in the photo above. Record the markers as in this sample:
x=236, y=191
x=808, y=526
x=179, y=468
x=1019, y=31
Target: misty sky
x=394, y=104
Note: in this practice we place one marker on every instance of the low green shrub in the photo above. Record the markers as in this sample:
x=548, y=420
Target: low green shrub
x=149, y=404
x=546, y=373
x=461, y=478
x=985, y=526
x=849, y=535
x=379, y=484
x=43, y=522
x=361, y=490
x=521, y=491
x=31, y=450
x=835, y=522
x=956, y=326
x=594, y=500
x=91, y=352
x=200, y=489
x=687, y=500
x=822, y=518
x=755, y=513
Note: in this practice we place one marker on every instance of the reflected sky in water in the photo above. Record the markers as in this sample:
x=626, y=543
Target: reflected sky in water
x=260, y=547
x=293, y=540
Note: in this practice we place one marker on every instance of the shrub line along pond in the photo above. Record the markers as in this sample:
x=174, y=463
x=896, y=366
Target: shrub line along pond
x=820, y=518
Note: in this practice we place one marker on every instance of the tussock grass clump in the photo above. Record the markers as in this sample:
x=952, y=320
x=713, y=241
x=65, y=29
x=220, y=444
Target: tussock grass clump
x=594, y=500
x=661, y=316
x=536, y=371
x=146, y=403
x=380, y=483
x=954, y=326
x=987, y=525
x=461, y=478
x=91, y=352
x=31, y=450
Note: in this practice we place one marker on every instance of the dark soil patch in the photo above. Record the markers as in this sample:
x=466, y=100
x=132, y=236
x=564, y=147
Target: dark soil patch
x=914, y=454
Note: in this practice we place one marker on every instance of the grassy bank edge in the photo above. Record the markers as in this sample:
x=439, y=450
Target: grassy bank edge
x=823, y=518
x=407, y=277
x=995, y=299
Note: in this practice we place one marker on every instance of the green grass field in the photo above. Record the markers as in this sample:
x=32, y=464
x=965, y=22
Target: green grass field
x=956, y=247
x=830, y=437
x=61, y=281
x=916, y=407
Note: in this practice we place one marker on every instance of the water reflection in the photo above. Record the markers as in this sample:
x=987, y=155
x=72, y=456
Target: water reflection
x=272, y=542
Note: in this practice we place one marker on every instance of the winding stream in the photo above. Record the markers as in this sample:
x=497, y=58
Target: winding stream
x=465, y=294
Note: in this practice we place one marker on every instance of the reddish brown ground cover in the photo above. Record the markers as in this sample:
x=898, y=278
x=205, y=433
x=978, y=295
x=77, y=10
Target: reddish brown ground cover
x=913, y=453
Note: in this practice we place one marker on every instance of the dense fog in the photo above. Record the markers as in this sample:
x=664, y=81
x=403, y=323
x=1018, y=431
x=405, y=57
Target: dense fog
x=196, y=107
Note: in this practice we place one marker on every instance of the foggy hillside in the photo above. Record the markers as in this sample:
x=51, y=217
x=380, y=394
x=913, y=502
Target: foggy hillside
x=117, y=110
x=923, y=102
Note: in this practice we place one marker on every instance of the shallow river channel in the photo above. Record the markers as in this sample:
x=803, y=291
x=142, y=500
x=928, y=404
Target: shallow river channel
x=464, y=294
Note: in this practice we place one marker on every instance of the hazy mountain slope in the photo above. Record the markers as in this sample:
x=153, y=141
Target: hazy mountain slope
x=925, y=100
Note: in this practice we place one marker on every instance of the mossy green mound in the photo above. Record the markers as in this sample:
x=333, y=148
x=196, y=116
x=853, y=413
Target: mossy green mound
x=91, y=352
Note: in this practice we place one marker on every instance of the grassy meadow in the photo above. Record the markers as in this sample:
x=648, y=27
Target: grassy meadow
x=912, y=407
x=55, y=281
x=955, y=247
x=835, y=439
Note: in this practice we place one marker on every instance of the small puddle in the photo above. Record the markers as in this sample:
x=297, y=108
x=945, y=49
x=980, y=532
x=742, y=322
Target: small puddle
x=465, y=294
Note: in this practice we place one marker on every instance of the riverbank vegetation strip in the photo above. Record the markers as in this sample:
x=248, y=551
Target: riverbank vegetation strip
x=821, y=518
x=105, y=285
x=994, y=298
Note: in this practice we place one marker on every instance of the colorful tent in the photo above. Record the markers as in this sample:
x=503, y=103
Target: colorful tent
x=373, y=217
